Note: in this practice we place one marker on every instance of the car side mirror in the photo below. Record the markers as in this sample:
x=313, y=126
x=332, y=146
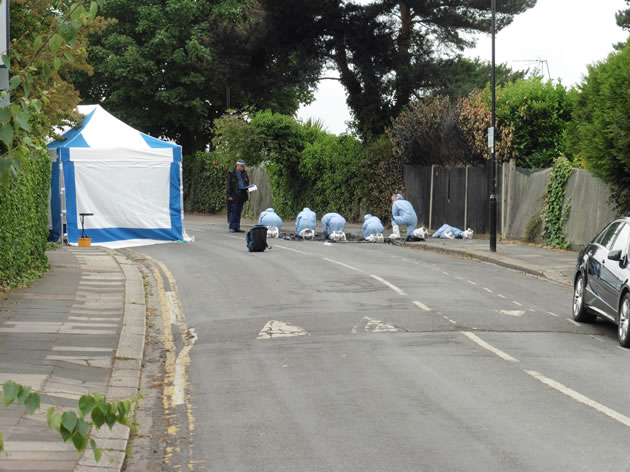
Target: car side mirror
x=615, y=255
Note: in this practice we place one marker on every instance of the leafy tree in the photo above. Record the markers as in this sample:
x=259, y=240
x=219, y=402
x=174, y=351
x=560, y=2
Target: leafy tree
x=388, y=51
x=169, y=67
x=623, y=17
x=48, y=39
x=600, y=133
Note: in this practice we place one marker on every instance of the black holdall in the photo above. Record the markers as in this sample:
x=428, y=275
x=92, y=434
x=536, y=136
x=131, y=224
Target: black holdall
x=257, y=239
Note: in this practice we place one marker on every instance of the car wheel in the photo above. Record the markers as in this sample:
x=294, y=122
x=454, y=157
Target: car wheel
x=580, y=312
x=623, y=321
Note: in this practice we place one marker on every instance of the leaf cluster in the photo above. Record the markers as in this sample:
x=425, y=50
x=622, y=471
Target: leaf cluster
x=94, y=410
x=555, y=211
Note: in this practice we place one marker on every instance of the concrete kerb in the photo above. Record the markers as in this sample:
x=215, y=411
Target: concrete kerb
x=501, y=261
x=126, y=371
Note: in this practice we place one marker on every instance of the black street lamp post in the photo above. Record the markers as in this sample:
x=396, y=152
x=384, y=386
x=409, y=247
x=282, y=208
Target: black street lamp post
x=491, y=141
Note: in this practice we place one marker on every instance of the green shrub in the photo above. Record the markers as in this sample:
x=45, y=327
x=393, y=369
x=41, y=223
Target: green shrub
x=538, y=113
x=24, y=223
x=600, y=133
x=204, y=176
x=307, y=167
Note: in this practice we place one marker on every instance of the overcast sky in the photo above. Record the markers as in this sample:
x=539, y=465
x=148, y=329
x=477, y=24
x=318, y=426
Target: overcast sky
x=568, y=34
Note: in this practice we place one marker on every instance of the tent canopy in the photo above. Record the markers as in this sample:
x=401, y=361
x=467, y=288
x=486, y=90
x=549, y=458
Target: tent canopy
x=130, y=181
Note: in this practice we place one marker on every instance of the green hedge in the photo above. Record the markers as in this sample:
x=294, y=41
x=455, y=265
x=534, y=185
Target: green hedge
x=24, y=224
x=204, y=176
x=307, y=167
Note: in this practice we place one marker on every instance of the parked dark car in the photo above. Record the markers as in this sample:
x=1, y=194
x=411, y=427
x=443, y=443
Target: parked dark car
x=601, y=279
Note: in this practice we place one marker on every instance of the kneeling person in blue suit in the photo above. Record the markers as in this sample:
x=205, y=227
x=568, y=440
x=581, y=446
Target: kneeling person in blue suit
x=305, y=224
x=333, y=226
x=272, y=221
x=402, y=214
x=372, y=228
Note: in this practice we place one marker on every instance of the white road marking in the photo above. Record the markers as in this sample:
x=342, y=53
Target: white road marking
x=446, y=273
x=553, y=314
x=499, y=295
x=342, y=264
x=452, y=321
x=488, y=290
x=471, y=282
x=422, y=306
x=578, y=397
x=512, y=312
x=182, y=360
x=389, y=284
x=280, y=329
x=622, y=348
x=485, y=345
x=532, y=310
x=573, y=322
x=378, y=326
x=459, y=278
x=517, y=303
x=291, y=249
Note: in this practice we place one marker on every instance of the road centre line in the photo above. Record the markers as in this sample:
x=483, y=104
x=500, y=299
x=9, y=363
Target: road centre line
x=517, y=303
x=471, y=282
x=488, y=290
x=422, y=306
x=500, y=296
x=489, y=347
x=294, y=250
x=553, y=314
x=389, y=284
x=573, y=322
x=578, y=397
x=342, y=264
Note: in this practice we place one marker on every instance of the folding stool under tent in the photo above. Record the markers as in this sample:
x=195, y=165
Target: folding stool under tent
x=130, y=181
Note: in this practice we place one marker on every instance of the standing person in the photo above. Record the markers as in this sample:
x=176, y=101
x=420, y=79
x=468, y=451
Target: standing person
x=333, y=223
x=237, y=182
x=402, y=214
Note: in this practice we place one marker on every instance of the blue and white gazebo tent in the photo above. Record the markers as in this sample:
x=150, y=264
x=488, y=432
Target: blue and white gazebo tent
x=130, y=181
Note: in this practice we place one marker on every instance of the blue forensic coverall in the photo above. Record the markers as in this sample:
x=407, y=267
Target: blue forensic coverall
x=372, y=225
x=270, y=218
x=403, y=214
x=440, y=233
x=306, y=219
x=333, y=222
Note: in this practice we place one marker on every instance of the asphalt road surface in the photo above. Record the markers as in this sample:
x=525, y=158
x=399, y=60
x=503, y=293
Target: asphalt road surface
x=368, y=357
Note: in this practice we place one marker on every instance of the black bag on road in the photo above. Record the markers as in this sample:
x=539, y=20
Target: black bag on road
x=257, y=239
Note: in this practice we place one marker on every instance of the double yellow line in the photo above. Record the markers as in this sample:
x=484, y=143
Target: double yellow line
x=176, y=390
